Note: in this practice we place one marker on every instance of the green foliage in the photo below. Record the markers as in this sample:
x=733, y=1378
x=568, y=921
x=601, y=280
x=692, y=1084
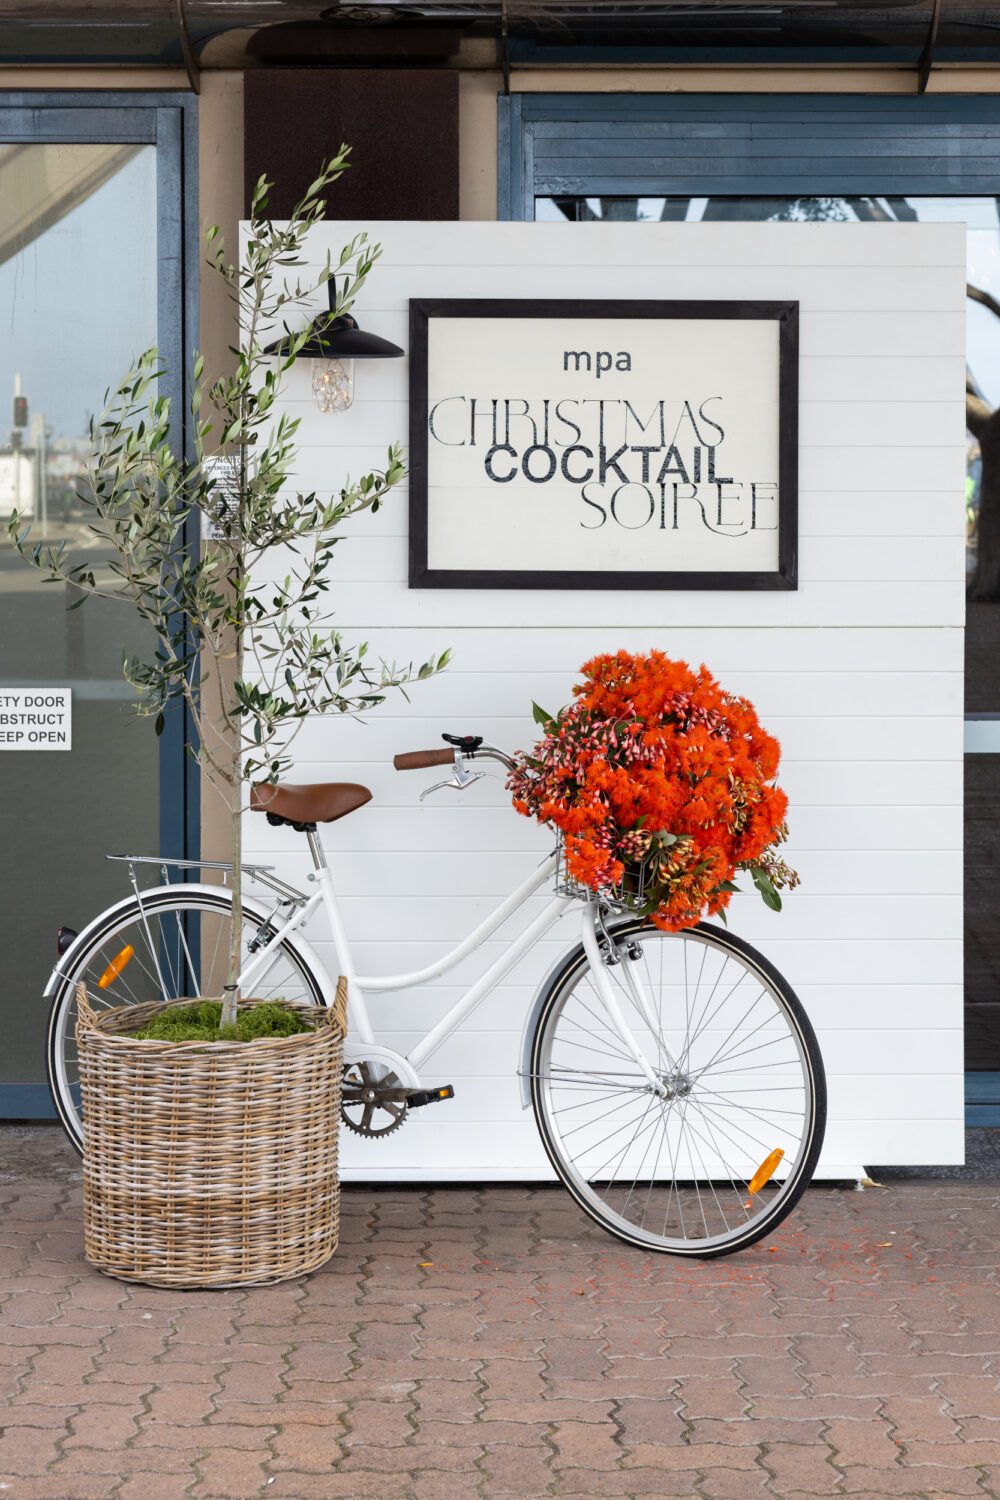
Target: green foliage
x=248, y=613
x=201, y=1023
x=213, y=608
x=766, y=887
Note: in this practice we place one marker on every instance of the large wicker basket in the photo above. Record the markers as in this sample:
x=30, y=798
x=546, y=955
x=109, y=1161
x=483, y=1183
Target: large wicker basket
x=209, y=1164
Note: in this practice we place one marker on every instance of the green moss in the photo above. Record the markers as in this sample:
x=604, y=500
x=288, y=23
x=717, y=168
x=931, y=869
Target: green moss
x=200, y=1023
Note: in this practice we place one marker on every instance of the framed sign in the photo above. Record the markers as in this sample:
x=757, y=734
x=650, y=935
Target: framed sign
x=603, y=445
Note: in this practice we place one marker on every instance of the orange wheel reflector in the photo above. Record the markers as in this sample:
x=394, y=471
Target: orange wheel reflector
x=765, y=1171
x=115, y=967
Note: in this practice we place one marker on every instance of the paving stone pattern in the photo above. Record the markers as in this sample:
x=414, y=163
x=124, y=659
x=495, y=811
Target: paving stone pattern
x=490, y=1343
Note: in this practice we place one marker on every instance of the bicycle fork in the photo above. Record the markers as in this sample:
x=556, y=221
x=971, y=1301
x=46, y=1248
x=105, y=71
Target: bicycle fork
x=600, y=957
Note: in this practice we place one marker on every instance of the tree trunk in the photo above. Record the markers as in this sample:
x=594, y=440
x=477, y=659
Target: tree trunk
x=231, y=993
x=985, y=584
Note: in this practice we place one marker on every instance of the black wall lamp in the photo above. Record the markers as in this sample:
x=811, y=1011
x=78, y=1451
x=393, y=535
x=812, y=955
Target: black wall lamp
x=334, y=343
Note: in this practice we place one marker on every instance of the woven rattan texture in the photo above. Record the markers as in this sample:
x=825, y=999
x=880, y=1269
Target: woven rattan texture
x=209, y=1164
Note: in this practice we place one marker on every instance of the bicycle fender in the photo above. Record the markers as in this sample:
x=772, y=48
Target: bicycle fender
x=561, y=967
x=327, y=983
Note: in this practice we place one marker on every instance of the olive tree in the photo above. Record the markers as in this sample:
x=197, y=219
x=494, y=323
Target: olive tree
x=251, y=659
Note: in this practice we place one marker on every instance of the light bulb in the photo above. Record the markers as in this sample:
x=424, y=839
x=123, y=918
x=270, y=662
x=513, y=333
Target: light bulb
x=332, y=384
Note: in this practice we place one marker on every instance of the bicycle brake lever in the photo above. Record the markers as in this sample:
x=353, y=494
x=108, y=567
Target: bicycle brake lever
x=458, y=781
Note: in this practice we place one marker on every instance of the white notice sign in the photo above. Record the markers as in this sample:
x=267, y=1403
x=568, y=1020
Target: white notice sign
x=36, y=718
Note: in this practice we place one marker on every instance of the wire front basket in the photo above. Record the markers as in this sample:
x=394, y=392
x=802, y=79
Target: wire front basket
x=627, y=896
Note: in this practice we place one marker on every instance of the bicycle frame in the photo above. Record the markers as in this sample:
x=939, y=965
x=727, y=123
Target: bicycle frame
x=362, y=1042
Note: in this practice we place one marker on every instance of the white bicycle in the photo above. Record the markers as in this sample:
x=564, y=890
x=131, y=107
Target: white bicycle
x=675, y=1078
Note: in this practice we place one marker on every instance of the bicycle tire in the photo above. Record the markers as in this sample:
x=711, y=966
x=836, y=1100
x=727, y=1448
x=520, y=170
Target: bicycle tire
x=89, y=960
x=551, y=1081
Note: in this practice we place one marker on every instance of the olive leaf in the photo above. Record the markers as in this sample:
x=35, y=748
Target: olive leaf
x=765, y=885
x=251, y=656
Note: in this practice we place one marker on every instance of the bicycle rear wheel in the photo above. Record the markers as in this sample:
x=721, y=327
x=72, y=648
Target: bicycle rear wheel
x=174, y=946
x=717, y=1158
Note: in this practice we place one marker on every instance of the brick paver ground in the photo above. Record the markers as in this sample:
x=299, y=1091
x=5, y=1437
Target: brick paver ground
x=492, y=1344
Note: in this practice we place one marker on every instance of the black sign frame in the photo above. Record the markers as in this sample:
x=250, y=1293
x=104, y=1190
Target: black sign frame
x=783, y=577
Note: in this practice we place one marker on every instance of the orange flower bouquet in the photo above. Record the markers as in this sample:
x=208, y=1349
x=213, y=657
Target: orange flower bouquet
x=662, y=786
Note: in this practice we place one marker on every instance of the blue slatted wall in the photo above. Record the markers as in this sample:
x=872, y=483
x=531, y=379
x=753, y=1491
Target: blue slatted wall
x=730, y=144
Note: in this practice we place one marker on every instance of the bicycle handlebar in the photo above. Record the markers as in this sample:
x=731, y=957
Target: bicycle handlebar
x=415, y=760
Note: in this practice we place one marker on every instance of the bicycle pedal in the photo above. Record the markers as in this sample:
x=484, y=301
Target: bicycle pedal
x=420, y=1097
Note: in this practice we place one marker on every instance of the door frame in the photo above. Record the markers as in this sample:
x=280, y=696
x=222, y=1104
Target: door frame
x=169, y=121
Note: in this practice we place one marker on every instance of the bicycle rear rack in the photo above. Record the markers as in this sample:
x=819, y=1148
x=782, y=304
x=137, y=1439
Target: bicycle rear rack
x=261, y=874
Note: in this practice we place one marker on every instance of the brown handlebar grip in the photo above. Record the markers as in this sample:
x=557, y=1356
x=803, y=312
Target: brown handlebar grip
x=415, y=760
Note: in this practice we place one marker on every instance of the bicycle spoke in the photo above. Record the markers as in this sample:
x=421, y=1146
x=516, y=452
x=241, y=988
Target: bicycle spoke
x=706, y=1175
x=589, y=1046
x=168, y=938
x=664, y=1127
x=187, y=953
x=694, y=1035
x=623, y=1104
x=667, y=1171
x=568, y=1109
x=718, y=1008
x=732, y=1180
x=746, y=1016
x=638, y=1173
x=764, y=1146
x=602, y=1021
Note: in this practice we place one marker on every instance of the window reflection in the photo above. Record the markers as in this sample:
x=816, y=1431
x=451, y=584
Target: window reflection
x=78, y=289
x=78, y=293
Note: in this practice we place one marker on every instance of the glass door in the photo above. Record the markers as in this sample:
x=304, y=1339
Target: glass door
x=81, y=252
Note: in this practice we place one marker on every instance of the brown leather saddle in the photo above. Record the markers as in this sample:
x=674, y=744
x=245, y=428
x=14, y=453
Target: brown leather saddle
x=305, y=806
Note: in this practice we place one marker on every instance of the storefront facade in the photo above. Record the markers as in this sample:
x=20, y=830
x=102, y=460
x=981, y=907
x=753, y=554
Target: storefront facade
x=606, y=129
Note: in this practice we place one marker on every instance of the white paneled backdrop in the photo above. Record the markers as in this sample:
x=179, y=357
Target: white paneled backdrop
x=859, y=673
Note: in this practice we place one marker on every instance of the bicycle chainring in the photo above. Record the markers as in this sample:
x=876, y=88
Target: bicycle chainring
x=371, y=1107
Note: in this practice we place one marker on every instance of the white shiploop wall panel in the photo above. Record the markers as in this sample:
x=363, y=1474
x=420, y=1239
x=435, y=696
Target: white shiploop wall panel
x=858, y=672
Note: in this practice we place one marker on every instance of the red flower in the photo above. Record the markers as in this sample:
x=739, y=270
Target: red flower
x=655, y=768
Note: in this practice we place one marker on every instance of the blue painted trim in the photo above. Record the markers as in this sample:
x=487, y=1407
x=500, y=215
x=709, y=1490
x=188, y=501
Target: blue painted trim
x=982, y=1088
x=983, y=1115
x=177, y=206
x=982, y=1099
x=524, y=50
x=26, y=1101
x=722, y=145
x=508, y=129
x=959, y=108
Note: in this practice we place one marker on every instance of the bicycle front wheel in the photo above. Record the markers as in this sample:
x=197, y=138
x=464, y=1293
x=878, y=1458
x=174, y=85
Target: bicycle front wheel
x=173, y=946
x=717, y=1155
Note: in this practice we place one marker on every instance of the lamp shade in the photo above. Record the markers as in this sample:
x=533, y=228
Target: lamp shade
x=331, y=337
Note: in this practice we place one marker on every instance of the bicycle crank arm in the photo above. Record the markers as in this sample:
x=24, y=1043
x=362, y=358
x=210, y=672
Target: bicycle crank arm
x=413, y=1098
